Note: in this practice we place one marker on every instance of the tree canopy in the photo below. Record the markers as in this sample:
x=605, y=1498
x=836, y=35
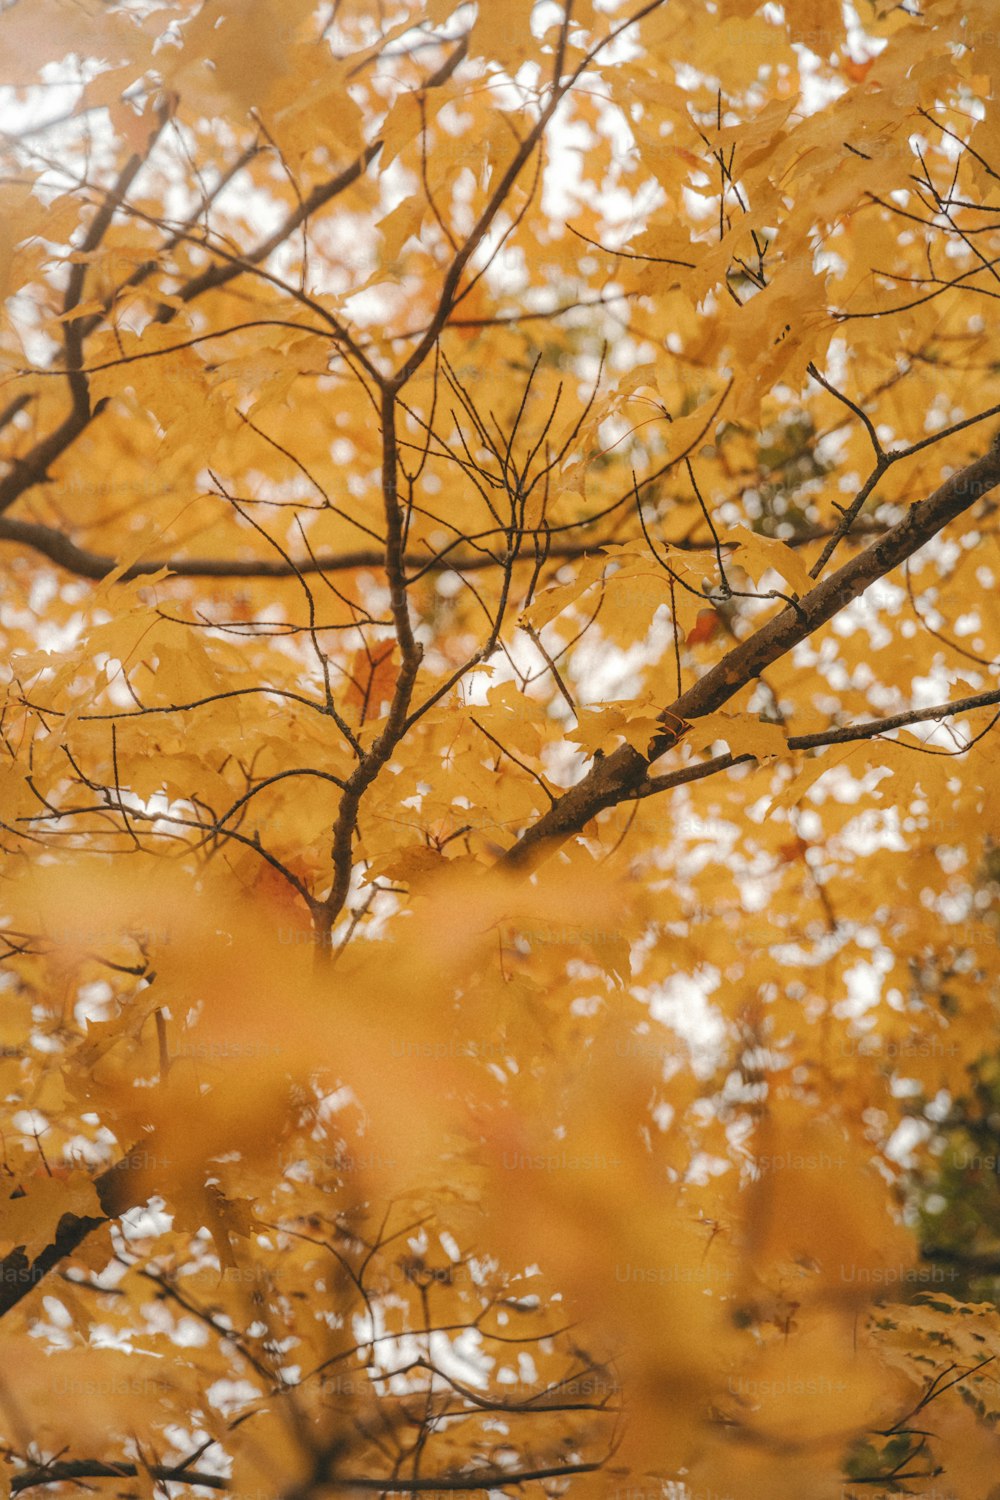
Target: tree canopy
x=497, y=524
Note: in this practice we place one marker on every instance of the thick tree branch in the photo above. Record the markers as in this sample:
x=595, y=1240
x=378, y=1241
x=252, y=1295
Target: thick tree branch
x=62, y=550
x=73, y=329
x=487, y=1479
x=620, y=775
x=411, y=653
x=93, y=1468
x=125, y=1185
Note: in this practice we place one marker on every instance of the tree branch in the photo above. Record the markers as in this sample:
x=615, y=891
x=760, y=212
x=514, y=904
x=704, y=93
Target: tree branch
x=219, y=274
x=28, y=471
x=93, y=1468
x=121, y=1187
x=613, y=778
x=62, y=550
x=842, y=736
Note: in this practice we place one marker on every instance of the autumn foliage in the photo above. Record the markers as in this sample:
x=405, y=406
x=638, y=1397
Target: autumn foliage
x=499, y=917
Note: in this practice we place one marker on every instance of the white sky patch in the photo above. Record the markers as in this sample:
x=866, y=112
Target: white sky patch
x=681, y=1002
x=460, y=1357
x=92, y=1002
x=864, y=988
x=30, y=1122
x=143, y=1223
x=230, y=1396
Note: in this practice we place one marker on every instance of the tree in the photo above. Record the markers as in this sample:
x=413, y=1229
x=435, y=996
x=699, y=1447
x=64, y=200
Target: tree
x=499, y=523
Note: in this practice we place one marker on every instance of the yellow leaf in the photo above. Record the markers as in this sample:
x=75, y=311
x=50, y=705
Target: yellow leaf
x=502, y=32
x=398, y=226
x=745, y=734
x=32, y=1219
x=822, y=761
x=758, y=554
x=553, y=601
